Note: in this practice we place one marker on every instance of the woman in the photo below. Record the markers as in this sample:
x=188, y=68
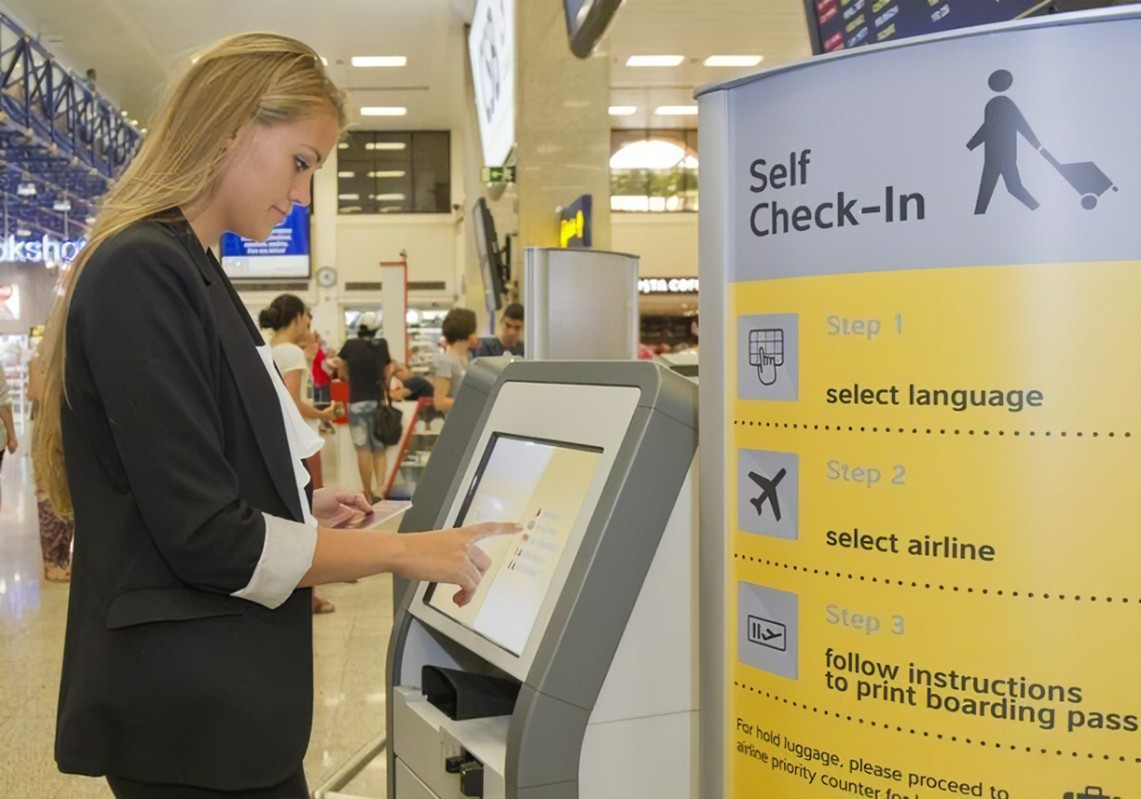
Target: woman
x=459, y=329
x=8, y=441
x=187, y=666
x=289, y=320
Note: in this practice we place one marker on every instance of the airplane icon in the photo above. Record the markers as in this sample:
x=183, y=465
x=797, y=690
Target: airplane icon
x=768, y=492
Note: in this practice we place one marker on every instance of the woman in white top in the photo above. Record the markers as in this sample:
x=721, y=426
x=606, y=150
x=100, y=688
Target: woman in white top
x=289, y=320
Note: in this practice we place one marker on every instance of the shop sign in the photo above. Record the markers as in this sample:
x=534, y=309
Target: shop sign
x=668, y=285
x=9, y=302
x=47, y=250
x=575, y=223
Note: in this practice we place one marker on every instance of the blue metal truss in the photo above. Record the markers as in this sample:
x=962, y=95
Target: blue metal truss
x=57, y=133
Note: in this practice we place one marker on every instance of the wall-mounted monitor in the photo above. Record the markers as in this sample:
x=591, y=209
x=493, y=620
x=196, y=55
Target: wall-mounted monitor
x=842, y=24
x=587, y=21
x=492, y=263
x=283, y=256
x=491, y=46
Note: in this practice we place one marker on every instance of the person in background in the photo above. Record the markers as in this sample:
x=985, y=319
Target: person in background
x=8, y=441
x=368, y=365
x=289, y=320
x=322, y=370
x=187, y=665
x=404, y=385
x=506, y=342
x=459, y=328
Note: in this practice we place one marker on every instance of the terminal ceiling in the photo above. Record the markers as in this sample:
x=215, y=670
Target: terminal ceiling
x=135, y=44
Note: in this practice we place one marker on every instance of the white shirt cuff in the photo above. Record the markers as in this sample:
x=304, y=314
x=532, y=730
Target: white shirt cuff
x=285, y=557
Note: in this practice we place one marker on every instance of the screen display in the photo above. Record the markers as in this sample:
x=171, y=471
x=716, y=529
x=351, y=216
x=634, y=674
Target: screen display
x=285, y=254
x=850, y=23
x=541, y=485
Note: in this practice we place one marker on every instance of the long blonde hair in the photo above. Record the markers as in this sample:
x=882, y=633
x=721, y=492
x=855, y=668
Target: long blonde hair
x=248, y=78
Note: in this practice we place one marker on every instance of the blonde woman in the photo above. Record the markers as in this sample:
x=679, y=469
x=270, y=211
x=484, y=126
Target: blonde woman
x=187, y=666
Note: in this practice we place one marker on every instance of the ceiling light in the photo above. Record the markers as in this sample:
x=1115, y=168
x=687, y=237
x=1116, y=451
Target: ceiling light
x=676, y=110
x=383, y=111
x=348, y=196
x=379, y=61
x=394, y=173
x=622, y=110
x=733, y=60
x=647, y=154
x=346, y=174
x=344, y=145
x=394, y=197
x=654, y=60
x=385, y=145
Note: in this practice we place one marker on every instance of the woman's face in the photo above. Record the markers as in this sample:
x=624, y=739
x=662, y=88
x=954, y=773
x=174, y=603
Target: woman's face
x=299, y=329
x=269, y=169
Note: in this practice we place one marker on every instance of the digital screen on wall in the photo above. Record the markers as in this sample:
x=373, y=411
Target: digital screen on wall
x=586, y=23
x=491, y=46
x=542, y=485
x=284, y=255
x=841, y=24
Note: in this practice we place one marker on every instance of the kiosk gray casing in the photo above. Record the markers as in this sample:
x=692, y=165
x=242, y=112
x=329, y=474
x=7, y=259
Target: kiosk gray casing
x=626, y=602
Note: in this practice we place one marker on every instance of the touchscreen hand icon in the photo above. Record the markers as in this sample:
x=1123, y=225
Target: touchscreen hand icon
x=766, y=352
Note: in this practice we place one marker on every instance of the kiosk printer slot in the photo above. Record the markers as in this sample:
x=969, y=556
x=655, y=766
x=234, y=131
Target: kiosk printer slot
x=573, y=670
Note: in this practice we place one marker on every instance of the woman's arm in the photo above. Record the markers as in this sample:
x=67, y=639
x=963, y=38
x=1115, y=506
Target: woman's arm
x=446, y=556
x=440, y=398
x=292, y=380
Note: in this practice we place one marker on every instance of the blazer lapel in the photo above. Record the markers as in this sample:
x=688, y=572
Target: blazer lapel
x=257, y=393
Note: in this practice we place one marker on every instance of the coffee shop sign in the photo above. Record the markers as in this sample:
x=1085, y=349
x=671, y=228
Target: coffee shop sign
x=47, y=250
x=668, y=285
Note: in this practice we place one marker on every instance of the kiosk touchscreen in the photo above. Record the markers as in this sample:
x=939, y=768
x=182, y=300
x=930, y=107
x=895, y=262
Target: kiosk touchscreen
x=548, y=682
x=541, y=485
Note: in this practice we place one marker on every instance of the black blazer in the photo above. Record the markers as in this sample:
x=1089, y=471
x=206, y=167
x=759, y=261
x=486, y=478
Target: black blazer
x=175, y=446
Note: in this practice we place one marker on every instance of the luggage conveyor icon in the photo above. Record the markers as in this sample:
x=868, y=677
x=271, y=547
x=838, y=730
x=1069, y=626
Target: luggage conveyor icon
x=1087, y=180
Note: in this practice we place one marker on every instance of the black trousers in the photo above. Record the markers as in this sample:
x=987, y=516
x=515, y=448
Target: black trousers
x=293, y=788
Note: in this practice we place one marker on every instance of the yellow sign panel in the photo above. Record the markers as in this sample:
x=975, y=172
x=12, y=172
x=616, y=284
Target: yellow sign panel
x=933, y=505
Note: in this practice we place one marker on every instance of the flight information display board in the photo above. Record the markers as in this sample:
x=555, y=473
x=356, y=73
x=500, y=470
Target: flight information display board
x=840, y=24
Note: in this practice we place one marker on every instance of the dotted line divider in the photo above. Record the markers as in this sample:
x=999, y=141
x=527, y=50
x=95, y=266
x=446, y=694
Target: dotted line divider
x=925, y=733
x=932, y=431
x=841, y=574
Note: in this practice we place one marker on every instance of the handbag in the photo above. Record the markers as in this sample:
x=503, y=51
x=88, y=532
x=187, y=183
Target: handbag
x=387, y=423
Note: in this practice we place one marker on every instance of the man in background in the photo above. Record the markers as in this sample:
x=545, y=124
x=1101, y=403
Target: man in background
x=507, y=341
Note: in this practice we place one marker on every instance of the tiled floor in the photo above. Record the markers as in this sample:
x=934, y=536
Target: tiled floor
x=350, y=645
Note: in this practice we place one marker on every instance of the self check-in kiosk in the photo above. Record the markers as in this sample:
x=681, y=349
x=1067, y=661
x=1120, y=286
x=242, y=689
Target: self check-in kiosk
x=573, y=670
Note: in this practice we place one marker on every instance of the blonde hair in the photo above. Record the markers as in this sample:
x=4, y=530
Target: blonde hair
x=244, y=79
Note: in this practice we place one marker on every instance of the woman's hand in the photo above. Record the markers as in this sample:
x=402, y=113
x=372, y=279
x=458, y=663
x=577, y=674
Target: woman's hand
x=331, y=502
x=450, y=556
